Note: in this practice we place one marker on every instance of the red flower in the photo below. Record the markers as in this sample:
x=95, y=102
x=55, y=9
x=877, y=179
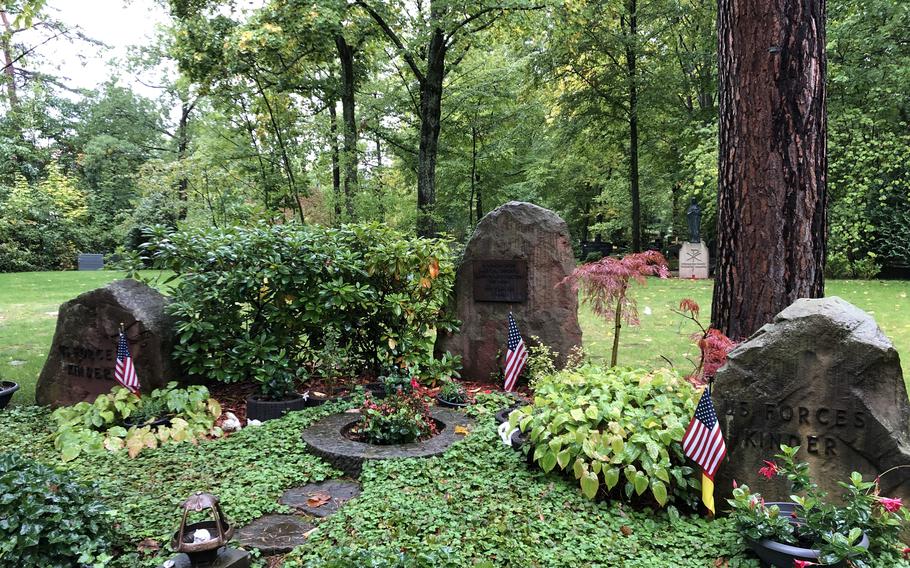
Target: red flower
x=906, y=552
x=414, y=383
x=803, y=563
x=769, y=471
x=890, y=505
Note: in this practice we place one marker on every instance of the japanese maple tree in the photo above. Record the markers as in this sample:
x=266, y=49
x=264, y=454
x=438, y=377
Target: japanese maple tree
x=605, y=284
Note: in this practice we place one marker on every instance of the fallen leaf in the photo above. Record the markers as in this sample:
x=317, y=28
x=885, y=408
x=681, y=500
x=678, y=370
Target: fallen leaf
x=318, y=499
x=309, y=532
x=721, y=562
x=148, y=545
x=626, y=530
x=463, y=430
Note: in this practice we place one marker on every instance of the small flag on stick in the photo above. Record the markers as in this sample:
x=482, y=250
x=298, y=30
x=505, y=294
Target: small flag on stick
x=704, y=444
x=124, y=371
x=516, y=356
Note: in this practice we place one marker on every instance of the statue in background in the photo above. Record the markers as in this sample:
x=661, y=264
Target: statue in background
x=693, y=218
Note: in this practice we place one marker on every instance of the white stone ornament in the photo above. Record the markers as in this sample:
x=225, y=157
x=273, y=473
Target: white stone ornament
x=505, y=433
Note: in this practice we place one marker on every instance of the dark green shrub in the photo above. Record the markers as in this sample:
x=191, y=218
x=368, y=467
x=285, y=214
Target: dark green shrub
x=618, y=430
x=255, y=301
x=49, y=521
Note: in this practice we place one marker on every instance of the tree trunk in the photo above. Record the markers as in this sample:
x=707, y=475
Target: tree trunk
x=380, y=190
x=632, y=77
x=8, y=68
x=772, y=171
x=336, y=168
x=346, y=58
x=475, y=189
x=430, y=116
x=183, y=143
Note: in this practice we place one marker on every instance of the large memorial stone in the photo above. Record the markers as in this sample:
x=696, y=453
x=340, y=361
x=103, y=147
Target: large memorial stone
x=821, y=376
x=80, y=365
x=693, y=260
x=516, y=258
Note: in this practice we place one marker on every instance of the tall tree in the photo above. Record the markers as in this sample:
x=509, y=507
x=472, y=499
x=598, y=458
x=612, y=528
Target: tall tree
x=772, y=170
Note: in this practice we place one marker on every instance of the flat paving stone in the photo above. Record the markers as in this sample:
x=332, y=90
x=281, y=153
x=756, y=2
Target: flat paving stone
x=274, y=534
x=302, y=498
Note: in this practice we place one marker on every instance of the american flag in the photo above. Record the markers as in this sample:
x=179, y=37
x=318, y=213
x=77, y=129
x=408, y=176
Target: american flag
x=516, y=356
x=704, y=444
x=125, y=372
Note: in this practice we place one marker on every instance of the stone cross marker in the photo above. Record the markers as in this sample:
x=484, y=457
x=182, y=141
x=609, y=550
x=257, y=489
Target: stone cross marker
x=83, y=353
x=821, y=376
x=516, y=258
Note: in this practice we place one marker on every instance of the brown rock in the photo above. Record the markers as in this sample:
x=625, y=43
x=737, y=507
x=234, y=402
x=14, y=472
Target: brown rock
x=516, y=258
x=83, y=353
x=824, y=377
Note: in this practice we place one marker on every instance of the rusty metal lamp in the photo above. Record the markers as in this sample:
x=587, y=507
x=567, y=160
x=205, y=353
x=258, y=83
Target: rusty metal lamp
x=202, y=552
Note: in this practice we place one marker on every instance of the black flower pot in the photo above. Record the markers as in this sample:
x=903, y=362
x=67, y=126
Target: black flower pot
x=375, y=390
x=7, y=388
x=782, y=555
x=450, y=404
x=260, y=408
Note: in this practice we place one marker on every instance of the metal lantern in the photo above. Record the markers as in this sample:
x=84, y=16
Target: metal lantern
x=204, y=551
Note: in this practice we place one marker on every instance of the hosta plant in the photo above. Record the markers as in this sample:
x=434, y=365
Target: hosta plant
x=49, y=521
x=101, y=425
x=617, y=430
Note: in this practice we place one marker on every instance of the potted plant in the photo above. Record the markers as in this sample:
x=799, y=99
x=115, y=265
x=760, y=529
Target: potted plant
x=400, y=418
x=452, y=394
x=808, y=529
x=152, y=412
x=278, y=395
x=7, y=388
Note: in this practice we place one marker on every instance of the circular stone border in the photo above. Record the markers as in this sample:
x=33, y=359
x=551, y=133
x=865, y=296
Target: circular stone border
x=326, y=440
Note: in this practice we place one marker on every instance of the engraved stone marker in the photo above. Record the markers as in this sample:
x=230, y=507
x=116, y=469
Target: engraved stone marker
x=821, y=376
x=693, y=260
x=516, y=258
x=80, y=365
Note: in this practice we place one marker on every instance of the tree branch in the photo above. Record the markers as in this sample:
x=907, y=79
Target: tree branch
x=394, y=38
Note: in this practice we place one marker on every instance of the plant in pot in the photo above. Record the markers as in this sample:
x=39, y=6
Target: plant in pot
x=809, y=529
x=401, y=418
x=277, y=396
x=7, y=388
x=452, y=394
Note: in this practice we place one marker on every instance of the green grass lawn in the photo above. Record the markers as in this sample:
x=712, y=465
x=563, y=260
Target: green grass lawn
x=29, y=302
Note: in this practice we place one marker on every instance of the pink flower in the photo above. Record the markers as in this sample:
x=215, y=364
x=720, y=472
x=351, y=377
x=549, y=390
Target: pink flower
x=769, y=471
x=734, y=484
x=890, y=505
x=906, y=552
x=803, y=563
x=414, y=383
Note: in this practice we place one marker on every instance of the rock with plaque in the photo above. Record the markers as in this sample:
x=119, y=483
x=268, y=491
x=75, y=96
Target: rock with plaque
x=515, y=260
x=83, y=353
x=821, y=376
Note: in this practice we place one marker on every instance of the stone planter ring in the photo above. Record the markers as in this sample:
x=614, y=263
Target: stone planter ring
x=326, y=439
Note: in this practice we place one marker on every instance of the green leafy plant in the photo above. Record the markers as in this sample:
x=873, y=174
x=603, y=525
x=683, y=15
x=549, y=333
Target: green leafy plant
x=395, y=379
x=430, y=371
x=47, y=520
x=453, y=391
x=817, y=522
x=266, y=299
x=610, y=425
x=102, y=424
x=400, y=418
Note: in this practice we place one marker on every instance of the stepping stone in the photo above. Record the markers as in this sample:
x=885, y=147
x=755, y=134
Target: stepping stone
x=311, y=498
x=274, y=534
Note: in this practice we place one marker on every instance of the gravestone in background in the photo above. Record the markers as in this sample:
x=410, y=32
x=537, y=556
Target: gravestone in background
x=693, y=260
x=824, y=377
x=83, y=353
x=515, y=260
x=91, y=261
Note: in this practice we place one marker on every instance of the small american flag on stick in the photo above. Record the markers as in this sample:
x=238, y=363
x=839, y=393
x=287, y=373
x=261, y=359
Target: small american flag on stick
x=124, y=371
x=516, y=356
x=704, y=444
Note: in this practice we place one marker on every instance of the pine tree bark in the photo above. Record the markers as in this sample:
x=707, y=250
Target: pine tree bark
x=771, y=226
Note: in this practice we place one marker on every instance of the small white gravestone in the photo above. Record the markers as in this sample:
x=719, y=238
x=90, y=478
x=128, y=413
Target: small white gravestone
x=693, y=260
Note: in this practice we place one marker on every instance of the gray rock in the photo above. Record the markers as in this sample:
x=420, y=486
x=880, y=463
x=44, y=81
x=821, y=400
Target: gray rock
x=274, y=534
x=80, y=365
x=338, y=491
x=539, y=240
x=824, y=377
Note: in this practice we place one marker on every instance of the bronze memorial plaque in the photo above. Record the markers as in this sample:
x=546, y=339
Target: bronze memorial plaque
x=500, y=280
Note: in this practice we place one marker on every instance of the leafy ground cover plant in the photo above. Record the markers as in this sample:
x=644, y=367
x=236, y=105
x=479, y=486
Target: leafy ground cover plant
x=105, y=423
x=818, y=522
x=400, y=418
x=48, y=520
x=605, y=285
x=618, y=430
